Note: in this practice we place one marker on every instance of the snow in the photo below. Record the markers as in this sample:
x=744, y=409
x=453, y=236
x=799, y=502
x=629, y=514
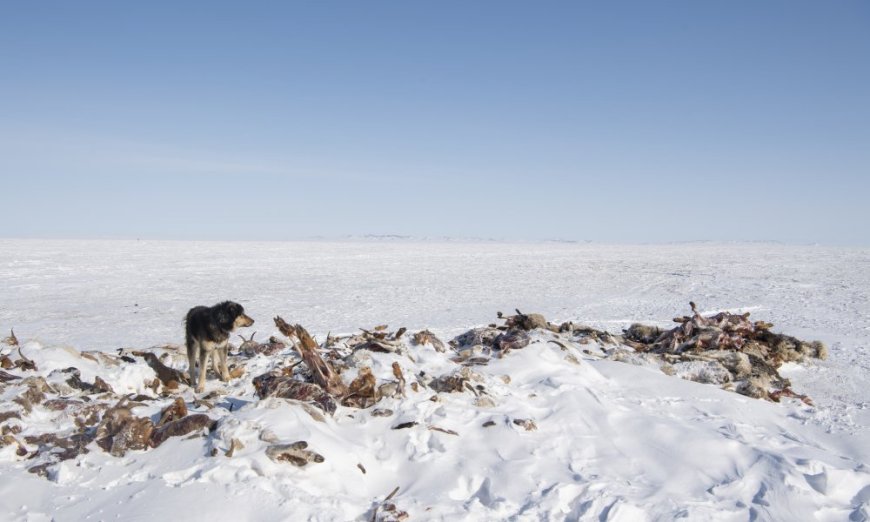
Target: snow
x=614, y=441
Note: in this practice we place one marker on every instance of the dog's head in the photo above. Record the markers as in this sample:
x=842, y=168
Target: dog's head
x=232, y=315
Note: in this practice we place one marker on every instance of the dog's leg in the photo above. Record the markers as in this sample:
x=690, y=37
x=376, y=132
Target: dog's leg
x=193, y=349
x=216, y=360
x=203, y=367
x=222, y=354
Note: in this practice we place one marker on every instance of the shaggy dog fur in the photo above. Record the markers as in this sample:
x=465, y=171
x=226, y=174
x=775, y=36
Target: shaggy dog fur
x=208, y=330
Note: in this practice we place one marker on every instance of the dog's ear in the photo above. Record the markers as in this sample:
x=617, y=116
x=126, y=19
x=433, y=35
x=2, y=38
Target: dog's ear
x=226, y=315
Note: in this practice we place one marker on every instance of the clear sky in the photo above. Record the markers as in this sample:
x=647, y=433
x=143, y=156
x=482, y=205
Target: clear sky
x=605, y=121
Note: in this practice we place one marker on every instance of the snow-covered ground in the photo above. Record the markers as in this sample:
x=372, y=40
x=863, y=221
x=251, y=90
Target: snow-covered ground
x=614, y=441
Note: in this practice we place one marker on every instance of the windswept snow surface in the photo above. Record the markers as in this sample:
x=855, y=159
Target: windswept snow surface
x=613, y=441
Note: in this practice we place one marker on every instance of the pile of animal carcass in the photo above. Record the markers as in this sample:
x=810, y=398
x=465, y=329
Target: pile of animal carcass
x=66, y=408
x=726, y=349
x=49, y=413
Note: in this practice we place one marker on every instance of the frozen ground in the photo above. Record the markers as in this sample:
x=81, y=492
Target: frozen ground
x=614, y=441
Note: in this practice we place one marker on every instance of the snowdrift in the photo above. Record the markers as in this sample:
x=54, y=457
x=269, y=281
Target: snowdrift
x=525, y=421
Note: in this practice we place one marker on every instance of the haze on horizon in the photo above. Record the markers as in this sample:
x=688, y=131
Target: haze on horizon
x=628, y=122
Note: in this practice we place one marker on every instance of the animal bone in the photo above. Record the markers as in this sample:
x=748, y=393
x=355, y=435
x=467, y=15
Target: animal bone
x=427, y=337
x=295, y=453
x=278, y=385
x=166, y=374
x=322, y=371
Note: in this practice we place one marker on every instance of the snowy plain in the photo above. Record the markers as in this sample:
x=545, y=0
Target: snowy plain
x=614, y=441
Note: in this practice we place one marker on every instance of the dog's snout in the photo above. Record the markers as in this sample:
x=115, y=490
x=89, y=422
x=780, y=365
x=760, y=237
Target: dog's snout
x=243, y=321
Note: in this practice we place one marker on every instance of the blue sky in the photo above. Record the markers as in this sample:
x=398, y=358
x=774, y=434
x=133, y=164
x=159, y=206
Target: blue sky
x=618, y=121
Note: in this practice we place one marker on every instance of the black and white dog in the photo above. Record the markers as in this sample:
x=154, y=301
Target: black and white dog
x=208, y=330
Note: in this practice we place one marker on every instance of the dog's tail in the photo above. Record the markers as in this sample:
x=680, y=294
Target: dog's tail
x=188, y=334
